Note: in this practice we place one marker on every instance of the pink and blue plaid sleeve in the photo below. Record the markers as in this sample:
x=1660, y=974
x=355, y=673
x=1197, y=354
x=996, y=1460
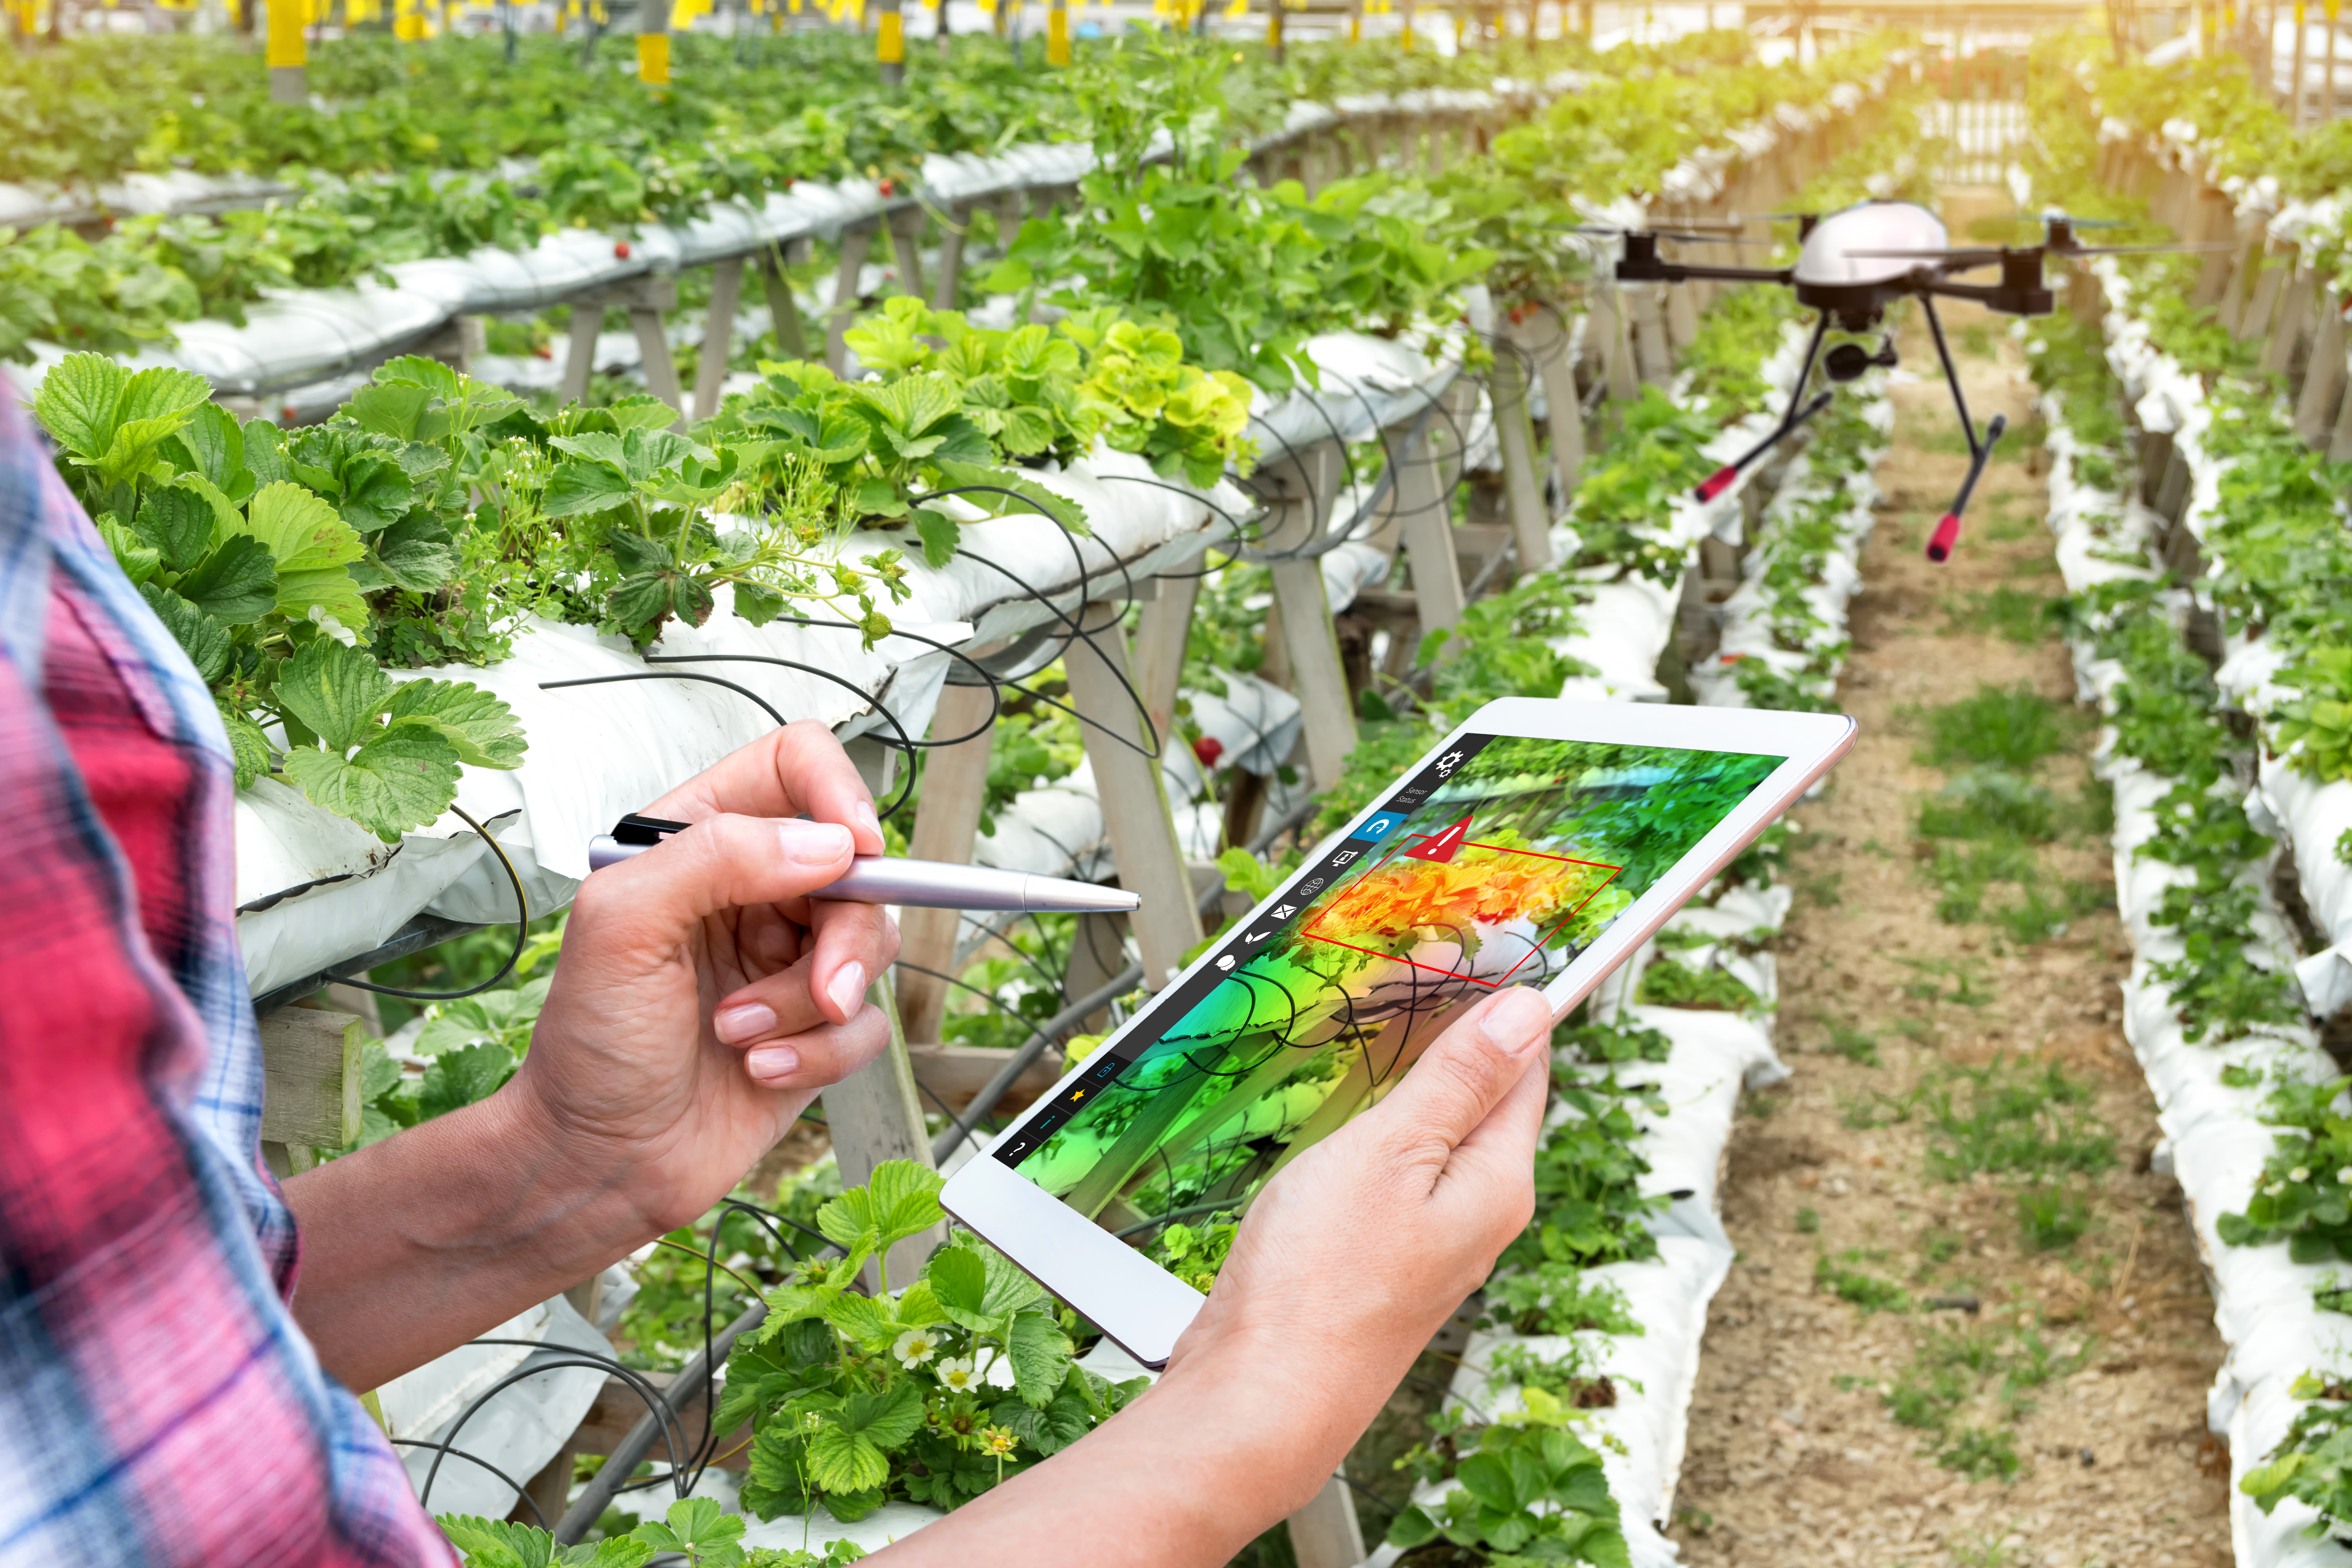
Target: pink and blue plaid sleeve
x=158, y=1405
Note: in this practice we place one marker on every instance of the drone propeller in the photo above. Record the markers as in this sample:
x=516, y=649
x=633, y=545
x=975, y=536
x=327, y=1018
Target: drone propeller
x=1678, y=236
x=1962, y=260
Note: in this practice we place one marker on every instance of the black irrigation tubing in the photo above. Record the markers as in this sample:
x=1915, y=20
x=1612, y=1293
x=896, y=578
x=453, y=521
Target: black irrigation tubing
x=536, y=1513
x=1211, y=1206
x=770, y=1215
x=523, y=936
x=581, y=1359
x=903, y=743
x=1077, y=634
x=961, y=985
x=742, y=691
x=1078, y=555
x=1019, y=1061
x=992, y=682
x=1046, y=1033
x=631, y=1450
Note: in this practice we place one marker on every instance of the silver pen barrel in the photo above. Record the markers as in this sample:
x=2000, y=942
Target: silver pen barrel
x=931, y=884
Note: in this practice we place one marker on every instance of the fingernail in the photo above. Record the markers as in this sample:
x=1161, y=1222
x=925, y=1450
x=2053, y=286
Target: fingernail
x=770, y=1063
x=813, y=843
x=746, y=1022
x=1515, y=1023
x=848, y=988
x=864, y=812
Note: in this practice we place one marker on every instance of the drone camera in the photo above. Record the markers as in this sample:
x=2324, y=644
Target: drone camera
x=1850, y=362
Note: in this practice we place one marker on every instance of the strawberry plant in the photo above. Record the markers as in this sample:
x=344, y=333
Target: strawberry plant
x=1526, y=1491
x=935, y=1393
x=694, y=1531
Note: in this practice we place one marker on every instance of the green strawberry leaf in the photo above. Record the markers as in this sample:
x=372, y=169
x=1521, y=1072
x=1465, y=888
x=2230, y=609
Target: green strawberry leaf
x=457, y=1079
x=940, y=534
x=205, y=639
x=390, y=408
x=402, y=778
x=140, y=560
x=248, y=743
x=237, y=585
x=479, y=725
x=76, y=404
x=842, y=1462
x=1041, y=1354
x=337, y=693
x=417, y=552
x=578, y=487
x=178, y=522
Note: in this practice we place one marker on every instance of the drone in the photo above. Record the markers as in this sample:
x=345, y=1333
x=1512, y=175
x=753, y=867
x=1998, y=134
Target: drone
x=1851, y=265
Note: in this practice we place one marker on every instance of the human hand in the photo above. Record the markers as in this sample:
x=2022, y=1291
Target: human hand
x=1346, y=1264
x=701, y=1000
x=1355, y=1254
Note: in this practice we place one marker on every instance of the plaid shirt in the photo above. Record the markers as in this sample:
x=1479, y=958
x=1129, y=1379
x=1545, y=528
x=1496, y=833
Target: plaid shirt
x=158, y=1405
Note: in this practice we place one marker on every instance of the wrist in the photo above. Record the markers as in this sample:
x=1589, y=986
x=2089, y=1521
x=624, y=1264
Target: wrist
x=547, y=1190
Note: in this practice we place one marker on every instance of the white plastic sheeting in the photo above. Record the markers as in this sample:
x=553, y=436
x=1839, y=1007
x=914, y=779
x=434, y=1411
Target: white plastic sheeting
x=1642, y=1435
x=517, y=1431
x=599, y=752
x=2214, y=1135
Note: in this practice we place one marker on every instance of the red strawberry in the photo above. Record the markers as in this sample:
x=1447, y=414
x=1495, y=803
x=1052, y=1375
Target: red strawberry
x=620, y=250
x=1208, y=749
x=886, y=187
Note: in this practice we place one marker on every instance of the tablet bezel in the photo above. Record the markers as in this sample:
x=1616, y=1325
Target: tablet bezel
x=1141, y=1307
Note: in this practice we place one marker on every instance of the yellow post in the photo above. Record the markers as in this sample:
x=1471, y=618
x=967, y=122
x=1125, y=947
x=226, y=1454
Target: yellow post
x=2327, y=94
x=653, y=42
x=1058, y=33
x=890, y=45
x=288, y=53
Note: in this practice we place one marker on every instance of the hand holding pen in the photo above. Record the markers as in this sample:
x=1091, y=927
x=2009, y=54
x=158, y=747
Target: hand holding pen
x=888, y=879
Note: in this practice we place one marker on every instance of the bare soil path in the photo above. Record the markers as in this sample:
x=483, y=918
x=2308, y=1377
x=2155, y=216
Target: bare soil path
x=1916, y=1362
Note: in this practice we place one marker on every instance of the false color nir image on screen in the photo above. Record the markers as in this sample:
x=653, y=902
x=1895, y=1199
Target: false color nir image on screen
x=1495, y=864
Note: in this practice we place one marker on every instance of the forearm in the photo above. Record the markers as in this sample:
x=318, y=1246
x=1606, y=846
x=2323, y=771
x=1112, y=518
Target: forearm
x=438, y=1234
x=1189, y=1473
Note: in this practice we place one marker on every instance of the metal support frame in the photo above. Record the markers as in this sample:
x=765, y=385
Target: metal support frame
x=1135, y=813
x=907, y=244
x=784, y=308
x=718, y=336
x=876, y=1114
x=854, y=243
x=947, y=825
x=1515, y=433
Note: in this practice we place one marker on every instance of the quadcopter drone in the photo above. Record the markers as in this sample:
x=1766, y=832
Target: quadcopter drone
x=1851, y=265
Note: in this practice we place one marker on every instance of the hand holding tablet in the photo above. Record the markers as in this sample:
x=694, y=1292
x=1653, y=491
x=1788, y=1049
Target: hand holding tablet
x=1537, y=846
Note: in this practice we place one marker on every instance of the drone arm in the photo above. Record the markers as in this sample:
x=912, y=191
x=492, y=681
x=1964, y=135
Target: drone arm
x=1798, y=412
x=1630, y=271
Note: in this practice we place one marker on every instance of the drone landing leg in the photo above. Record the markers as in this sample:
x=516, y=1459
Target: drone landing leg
x=1948, y=528
x=1717, y=482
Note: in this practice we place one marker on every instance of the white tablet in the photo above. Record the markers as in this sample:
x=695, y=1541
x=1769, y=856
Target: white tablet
x=1539, y=845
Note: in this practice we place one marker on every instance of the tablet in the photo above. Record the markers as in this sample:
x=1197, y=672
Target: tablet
x=1539, y=845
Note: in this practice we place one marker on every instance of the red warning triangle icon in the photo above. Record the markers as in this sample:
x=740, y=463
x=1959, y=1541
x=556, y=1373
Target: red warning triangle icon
x=1441, y=847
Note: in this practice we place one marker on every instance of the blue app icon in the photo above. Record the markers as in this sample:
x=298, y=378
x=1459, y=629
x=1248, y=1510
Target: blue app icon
x=1380, y=826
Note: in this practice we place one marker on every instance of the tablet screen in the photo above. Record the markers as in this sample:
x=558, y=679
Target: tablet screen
x=1497, y=865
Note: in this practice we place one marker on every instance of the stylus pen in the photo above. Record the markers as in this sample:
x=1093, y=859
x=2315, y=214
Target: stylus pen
x=915, y=884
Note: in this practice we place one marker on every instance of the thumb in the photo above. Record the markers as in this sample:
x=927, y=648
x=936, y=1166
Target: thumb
x=719, y=863
x=1468, y=1069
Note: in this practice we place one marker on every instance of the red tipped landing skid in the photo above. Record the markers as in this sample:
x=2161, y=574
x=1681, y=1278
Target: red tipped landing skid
x=1850, y=266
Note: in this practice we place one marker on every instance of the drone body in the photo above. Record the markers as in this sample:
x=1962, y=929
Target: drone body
x=1850, y=265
